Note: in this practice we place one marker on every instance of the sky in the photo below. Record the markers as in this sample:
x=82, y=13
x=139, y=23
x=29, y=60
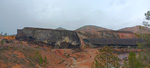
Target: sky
x=71, y=14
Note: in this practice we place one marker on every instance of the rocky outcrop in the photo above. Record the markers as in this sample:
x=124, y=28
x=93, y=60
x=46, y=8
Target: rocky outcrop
x=107, y=34
x=56, y=38
x=117, y=34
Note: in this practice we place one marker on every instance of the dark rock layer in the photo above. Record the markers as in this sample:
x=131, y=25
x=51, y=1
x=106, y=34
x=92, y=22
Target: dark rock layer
x=56, y=38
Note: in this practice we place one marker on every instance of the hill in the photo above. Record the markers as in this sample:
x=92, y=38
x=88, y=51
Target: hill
x=23, y=54
x=60, y=28
x=137, y=29
x=89, y=31
x=89, y=28
x=100, y=32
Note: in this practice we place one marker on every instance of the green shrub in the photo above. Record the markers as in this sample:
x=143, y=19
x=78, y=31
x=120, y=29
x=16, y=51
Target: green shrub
x=106, y=58
x=45, y=61
x=38, y=58
x=2, y=42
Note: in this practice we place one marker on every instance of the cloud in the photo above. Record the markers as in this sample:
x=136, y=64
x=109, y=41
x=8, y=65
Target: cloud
x=71, y=14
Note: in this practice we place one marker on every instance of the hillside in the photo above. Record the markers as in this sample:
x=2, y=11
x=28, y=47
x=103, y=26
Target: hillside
x=89, y=28
x=100, y=32
x=90, y=31
x=137, y=29
x=21, y=54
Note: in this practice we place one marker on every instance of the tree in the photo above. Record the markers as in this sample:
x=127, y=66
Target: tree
x=132, y=61
x=5, y=34
x=140, y=60
x=145, y=37
x=147, y=15
x=106, y=59
x=143, y=59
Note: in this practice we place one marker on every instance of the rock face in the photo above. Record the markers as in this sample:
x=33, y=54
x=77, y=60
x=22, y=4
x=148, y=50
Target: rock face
x=56, y=38
x=91, y=31
x=108, y=34
x=117, y=34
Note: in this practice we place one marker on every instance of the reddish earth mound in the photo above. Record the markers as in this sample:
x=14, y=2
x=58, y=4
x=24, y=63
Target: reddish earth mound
x=90, y=28
x=24, y=55
x=137, y=29
x=19, y=54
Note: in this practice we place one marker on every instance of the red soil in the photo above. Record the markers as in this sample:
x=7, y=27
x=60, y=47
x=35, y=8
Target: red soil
x=57, y=58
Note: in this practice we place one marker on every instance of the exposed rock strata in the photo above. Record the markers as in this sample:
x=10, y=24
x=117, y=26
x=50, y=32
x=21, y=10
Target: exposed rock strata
x=56, y=38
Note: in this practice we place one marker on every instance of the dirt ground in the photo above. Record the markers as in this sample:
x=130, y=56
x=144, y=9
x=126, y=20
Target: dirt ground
x=19, y=54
